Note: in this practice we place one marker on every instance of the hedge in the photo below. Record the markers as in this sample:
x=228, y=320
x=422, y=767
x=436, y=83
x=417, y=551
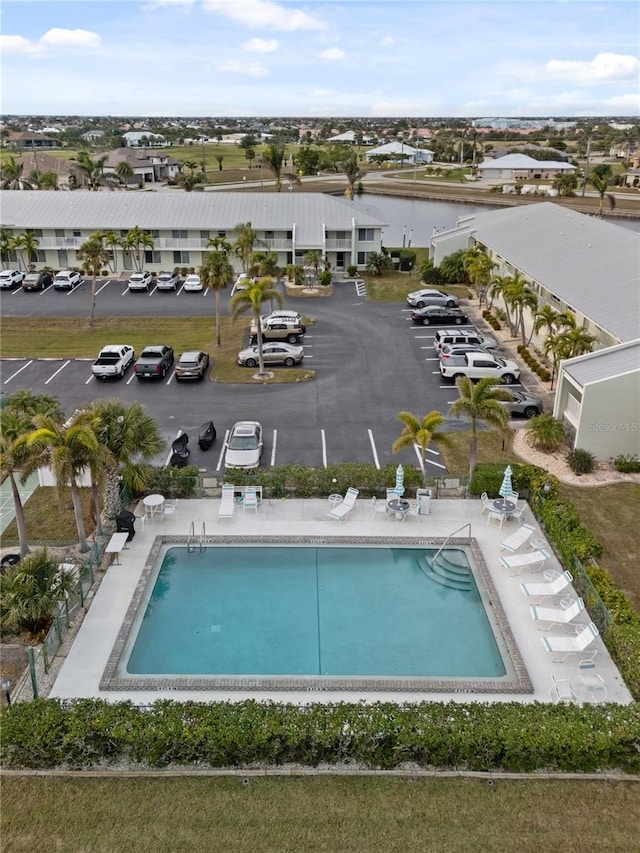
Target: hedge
x=86, y=733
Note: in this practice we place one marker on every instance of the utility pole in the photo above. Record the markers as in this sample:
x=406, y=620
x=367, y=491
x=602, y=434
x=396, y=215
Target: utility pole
x=586, y=165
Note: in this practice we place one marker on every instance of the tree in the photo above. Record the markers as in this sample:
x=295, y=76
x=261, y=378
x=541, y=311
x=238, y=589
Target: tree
x=479, y=267
x=67, y=447
x=273, y=158
x=11, y=176
x=189, y=182
x=313, y=259
x=480, y=402
x=244, y=243
x=250, y=155
x=215, y=274
x=17, y=460
x=600, y=182
x=131, y=436
x=191, y=165
x=27, y=243
x=94, y=173
x=353, y=173
x=219, y=158
x=112, y=242
x=519, y=297
x=252, y=299
x=125, y=172
x=419, y=434
x=264, y=264
x=546, y=433
x=31, y=591
x=566, y=183
x=379, y=263
x=135, y=242
x=452, y=268
x=43, y=180
x=94, y=257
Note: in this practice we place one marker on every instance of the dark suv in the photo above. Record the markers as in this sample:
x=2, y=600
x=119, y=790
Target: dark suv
x=37, y=280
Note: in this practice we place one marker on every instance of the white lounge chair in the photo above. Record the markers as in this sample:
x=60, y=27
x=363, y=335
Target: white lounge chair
x=523, y=561
x=342, y=510
x=518, y=539
x=571, y=644
x=558, y=615
x=250, y=499
x=560, y=690
x=543, y=590
x=227, y=502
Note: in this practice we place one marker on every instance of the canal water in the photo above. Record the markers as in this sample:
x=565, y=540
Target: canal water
x=412, y=221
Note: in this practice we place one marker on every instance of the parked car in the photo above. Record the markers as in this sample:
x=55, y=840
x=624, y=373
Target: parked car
x=242, y=282
x=10, y=278
x=192, y=365
x=285, y=326
x=192, y=284
x=37, y=280
x=463, y=336
x=433, y=315
x=522, y=403
x=449, y=350
x=272, y=353
x=113, y=361
x=168, y=281
x=244, y=446
x=67, y=280
x=154, y=362
x=477, y=365
x=141, y=281
x=420, y=298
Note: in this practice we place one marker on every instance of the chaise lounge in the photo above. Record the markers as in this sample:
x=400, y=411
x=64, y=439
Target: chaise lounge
x=342, y=510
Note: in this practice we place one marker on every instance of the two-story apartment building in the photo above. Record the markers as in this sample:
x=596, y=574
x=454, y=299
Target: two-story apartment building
x=181, y=224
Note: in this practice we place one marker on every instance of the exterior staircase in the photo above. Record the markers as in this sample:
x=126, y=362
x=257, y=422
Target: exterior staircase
x=449, y=568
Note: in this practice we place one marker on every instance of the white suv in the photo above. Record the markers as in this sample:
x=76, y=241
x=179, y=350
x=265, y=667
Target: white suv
x=11, y=278
x=141, y=281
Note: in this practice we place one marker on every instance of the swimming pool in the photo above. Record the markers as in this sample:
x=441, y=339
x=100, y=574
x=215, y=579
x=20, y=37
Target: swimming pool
x=314, y=615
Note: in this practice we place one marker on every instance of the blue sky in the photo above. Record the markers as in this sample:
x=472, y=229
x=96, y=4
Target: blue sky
x=332, y=58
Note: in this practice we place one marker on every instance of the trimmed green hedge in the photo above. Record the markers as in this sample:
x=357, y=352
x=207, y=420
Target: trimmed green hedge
x=515, y=737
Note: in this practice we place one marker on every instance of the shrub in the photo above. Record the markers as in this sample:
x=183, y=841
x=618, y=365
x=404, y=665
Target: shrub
x=547, y=432
x=627, y=464
x=430, y=275
x=352, y=270
x=580, y=461
x=172, y=482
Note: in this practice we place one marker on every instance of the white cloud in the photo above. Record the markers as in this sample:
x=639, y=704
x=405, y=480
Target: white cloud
x=603, y=68
x=181, y=5
x=321, y=93
x=18, y=45
x=332, y=53
x=260, y=45
x=71, y=38
x=264, y=14
x=249, y=69
x=401, y=108
x=387, y=40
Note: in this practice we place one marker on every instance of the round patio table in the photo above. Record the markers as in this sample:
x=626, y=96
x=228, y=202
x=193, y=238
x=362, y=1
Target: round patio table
x=399, y=507
x=153, y=504
x=504, y=505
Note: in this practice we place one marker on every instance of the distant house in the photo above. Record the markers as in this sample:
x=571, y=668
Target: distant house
x=350, y=137
x=401, y=151
x=29, y=140
x=92, y=135
x=66, y=171
x=516, y=167
x=149, y=167
x=144, y=139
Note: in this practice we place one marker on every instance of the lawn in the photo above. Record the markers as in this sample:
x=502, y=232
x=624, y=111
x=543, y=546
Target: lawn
x=356, y=814
x=490, y=449
x=51, y=528
x=66, y=337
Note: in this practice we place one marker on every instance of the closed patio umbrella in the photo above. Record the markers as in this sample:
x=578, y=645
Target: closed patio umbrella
x=506, y=488
x=400, y=481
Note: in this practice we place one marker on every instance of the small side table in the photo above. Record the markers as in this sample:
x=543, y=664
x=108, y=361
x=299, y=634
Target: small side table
x=334, y=500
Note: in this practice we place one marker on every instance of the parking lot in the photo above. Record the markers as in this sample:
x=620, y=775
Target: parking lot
x=371, y=362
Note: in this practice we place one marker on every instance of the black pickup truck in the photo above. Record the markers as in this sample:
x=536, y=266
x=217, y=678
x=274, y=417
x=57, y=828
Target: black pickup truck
x=154, y=362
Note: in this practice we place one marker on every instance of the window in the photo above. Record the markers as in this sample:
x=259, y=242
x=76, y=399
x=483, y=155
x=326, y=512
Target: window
x=62, y=259
x=365, y=235
x=222, y=233
x=181, y=257
x=79, y=233
x=268, y=235
x=151, y=257
x=179, y=234
x=204, y=235
x=364, y=258
x=60, y=233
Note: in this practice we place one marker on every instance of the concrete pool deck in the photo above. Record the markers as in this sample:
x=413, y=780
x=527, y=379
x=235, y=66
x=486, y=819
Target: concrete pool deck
x=85, y=663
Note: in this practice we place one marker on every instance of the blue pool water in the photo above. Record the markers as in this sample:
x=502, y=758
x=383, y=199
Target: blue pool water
x=317, y=611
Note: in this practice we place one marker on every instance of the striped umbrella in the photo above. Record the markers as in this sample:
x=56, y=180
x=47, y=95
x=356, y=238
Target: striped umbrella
x=506, y=488
x=400, y=481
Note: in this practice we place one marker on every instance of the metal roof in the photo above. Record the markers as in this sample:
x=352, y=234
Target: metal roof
x=309, y=213
x=604, y=364
x=523, y=161
x=591, y=265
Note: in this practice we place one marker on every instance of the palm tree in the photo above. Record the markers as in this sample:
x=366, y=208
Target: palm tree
x=28, y=243
x=67, y=446
x=419, y=434
x=112, y=242
x=545, y=318
x=191, y=165
x=244, y=243
x=379, y=263
x=93, y=171
x=252, y=299
x=264, y=264
x=353, y=174
x=575, y=341
x=125, y=172
x=32, y=590
x=480, y=402
x=131, y=436
x=215, y=274
x=479, y=267
x=136, y=240
x=313, y=259
x=11, y=176
x=600, y=183
x=273, y=157
x=520, y=297
x=94, y=257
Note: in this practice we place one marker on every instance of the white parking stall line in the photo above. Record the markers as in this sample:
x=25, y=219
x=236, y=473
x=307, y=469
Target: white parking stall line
x=152, y=291
x=273, y=449
x=180, y=289
x=125, y=291
x=108, y=281
x=45, y=289
x=131, y=378
x=13, y=375
x=323, y=441
x=424, y=337
x=90, y=379
x=428, y=461
x=59, y=370
x=222, y=449
x=376, y=461
x=168, y=382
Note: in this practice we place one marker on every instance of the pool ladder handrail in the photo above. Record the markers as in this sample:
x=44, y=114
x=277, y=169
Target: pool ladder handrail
x=468, y=524
x=194, y=539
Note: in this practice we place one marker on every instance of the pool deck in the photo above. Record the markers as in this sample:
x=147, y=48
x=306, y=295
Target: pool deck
x=83, y=668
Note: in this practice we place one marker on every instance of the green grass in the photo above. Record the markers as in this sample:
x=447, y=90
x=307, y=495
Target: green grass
x=43, y=525
x=294, y=815
x=490, y=449
x=67, y=337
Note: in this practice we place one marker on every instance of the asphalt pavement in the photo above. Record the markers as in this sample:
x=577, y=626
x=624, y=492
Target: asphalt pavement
x=371, y=363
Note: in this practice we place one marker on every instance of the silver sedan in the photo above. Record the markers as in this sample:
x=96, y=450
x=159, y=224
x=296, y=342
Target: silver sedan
x=272, y=353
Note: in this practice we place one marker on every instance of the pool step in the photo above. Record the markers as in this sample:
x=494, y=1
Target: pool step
x=448, y=571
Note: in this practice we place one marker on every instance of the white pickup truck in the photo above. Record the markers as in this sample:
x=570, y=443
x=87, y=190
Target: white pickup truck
x=113, y=361
x=478, y=365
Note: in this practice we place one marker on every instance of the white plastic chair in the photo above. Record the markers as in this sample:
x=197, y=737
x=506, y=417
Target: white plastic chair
x=250, y=499
x=487, y=503
x=378, y=507
x=170, y=507
x=495, y=518
x=560, y=691
x=518, y=512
